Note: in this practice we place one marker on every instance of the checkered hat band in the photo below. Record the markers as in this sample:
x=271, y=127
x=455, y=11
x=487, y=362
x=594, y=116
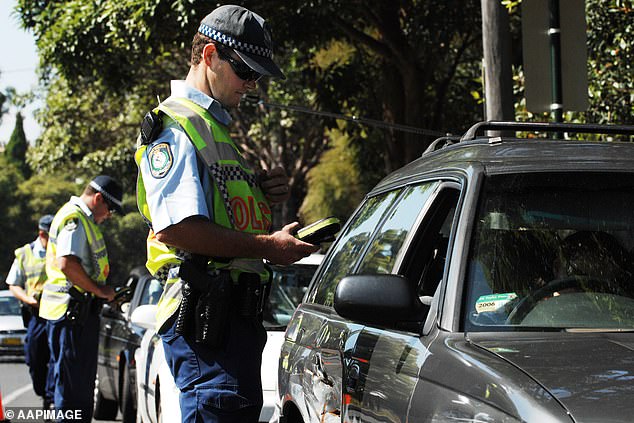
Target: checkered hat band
x=233, y=43
x=105, y=193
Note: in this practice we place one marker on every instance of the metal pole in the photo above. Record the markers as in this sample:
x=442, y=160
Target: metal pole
x=498, y=76
x=554, y=35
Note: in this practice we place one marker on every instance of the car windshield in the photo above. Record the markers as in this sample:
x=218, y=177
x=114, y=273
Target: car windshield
x=9, y=306
x=287, y=290
x=552, y=251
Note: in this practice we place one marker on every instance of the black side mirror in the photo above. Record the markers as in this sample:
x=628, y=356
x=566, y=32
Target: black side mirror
x=386, y=300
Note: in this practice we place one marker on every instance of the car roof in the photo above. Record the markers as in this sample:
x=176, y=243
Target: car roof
x=511, y=155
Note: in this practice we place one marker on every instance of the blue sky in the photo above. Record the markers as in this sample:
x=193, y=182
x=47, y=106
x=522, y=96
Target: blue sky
x=18, y=59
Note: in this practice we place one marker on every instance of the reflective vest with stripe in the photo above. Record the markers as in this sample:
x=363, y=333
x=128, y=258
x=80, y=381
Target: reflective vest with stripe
x=238, y=202
x=55, y=295
x=33, y=267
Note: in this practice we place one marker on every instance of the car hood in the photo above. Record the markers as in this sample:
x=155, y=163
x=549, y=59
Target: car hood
x=590, y=374
x=11, y=323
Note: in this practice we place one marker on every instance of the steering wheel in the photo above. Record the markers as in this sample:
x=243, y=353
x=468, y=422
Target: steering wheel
x=580, y=283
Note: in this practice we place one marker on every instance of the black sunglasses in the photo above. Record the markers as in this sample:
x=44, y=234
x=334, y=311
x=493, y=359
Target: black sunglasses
x=111, y=207
x=241, y=69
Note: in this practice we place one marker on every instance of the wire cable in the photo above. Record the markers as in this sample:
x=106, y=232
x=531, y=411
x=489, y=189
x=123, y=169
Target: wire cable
x=356, y=119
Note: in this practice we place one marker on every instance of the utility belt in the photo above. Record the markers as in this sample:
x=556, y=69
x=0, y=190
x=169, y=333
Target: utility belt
x=209, y=301
x=81, y=304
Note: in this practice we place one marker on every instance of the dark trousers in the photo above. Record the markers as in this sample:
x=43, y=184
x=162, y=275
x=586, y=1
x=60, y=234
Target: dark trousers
x=218, y=385
x=37, y=357
x=74, y=351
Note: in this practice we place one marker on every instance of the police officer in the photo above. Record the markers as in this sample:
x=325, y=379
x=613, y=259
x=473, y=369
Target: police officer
x=25, y=280
x=203, y=200
x=77, y=268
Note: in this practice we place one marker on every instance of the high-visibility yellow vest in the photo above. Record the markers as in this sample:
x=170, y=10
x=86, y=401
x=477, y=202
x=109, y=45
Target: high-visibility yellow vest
x=33, y=267
x=55, y=297
x=238, y=202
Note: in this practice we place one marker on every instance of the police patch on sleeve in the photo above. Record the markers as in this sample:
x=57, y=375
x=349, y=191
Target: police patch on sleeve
x=71, y=225
x=161, y=159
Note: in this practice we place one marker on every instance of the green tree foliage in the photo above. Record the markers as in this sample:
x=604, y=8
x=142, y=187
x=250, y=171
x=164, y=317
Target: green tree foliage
x=414, y=62
x=11, y=214
x=17, y=146
x=125, y=239
x=117, y=42
x=610, y=61
x=3, y=99
x=410, y=61
x=45, y=194
x=610, y=41
x=335, y=186
x=272, y=137
x=88, y=131
x=23, y=202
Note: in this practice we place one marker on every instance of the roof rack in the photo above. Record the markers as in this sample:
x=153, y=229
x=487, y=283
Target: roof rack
x=441, y=142
x=584, y=128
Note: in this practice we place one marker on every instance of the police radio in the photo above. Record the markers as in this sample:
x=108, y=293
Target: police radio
x=150, y=127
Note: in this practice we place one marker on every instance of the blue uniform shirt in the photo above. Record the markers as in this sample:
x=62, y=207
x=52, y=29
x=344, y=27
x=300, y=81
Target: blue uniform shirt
x=16, y=274
x=181, y=187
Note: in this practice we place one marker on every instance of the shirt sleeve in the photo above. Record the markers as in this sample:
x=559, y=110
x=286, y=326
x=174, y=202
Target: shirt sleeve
x=72, y=240
x=172, y=180
x=16, y=276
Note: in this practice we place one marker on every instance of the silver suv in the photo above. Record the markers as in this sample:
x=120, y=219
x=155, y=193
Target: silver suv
x=491, y=280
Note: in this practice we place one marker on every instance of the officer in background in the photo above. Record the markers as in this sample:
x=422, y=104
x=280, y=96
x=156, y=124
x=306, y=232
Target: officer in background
x=203, y=200
x=77, y=268
x=25, y=280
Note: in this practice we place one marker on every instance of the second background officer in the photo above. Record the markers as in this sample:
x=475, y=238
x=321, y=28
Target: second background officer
x=26, y=279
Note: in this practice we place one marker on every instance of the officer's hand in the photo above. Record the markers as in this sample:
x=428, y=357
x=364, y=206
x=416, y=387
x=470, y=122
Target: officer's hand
x=287, y=249
x=106, y=292
x=32, y=301
x=274, y=183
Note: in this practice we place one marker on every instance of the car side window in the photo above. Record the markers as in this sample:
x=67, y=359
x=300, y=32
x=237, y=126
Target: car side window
x=151, y=292
x=382, y=254
x=425, y=262
x=349, y=247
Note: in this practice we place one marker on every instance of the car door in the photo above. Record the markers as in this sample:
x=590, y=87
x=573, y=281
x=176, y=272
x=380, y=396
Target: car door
x=382, y=369
x=311, y=359
x=113, y=333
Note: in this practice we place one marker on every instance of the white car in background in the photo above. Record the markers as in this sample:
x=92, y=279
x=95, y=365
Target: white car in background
x=157, y=393
x=12, y=330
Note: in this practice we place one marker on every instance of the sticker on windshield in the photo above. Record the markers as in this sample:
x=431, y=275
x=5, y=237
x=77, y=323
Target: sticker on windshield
x=493, y=302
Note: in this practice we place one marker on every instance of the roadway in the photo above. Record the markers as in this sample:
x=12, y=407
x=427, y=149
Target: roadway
x=16, y=389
